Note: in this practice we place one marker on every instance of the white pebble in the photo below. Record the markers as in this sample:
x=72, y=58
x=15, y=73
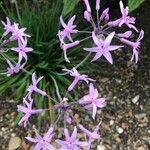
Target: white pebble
x=135, y=99
x=100, y=147
x=111, y=122
x=119, y=130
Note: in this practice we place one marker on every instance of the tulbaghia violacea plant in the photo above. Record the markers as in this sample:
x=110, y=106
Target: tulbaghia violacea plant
x=102, y=33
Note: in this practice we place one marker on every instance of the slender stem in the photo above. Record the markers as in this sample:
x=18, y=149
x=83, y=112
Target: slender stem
x=51, y=98
x=83, y=61
x=85, y=32
x=57, y=89
x=98, y=21
x=85, y=39
x=92, y=22
x=18, y=13
x=106, y=28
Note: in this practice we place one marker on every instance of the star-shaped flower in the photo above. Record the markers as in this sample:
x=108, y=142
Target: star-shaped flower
x=92, y=136
x=33, y=87
x=13, y=68
x=22, y=49
x=42, y=143
x=28, y=111
x=92, y=100
x=125, y=19
x=135, y=45
x=103, y=47
x=71, y=143
x=69, y=28
x=18, y=34
x=77, y=77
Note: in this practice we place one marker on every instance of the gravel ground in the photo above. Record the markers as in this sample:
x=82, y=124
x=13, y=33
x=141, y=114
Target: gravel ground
x=126, y=119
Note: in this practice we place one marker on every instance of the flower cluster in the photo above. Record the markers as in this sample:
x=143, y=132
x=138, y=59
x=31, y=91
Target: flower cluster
x=102, y=34
x=14, y=34
x=104, y=30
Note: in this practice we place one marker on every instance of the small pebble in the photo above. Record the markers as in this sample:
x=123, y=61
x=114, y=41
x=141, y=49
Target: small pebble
x=100, y=147
x=119, y=130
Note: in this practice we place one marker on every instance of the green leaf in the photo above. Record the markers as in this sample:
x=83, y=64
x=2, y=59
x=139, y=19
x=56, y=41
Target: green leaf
x=133, y=4
x=17, y=119
x=69, y=5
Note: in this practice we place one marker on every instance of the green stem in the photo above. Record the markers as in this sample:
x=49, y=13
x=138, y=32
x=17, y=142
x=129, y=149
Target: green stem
x=83, y=61
x=18, y=13
x=57, y=89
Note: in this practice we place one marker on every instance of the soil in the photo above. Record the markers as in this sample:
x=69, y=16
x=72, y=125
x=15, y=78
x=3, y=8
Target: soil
x=126, y=119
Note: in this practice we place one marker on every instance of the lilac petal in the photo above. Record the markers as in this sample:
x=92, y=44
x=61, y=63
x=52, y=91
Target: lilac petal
x=73, y=84
x=135, y=55
x=109, y=38
x=94, y=111
x=70, y=23
x=97, y=4
x=65, y=55
x=49, y=134
x=101, y=102
x=87, y=16
x=31, y=139
x=67, y=136
x=132, y=27
x=62, y=22
x=74, y=134
x=87, y=5
x=38, y=147
x=123, y=11
x=91, y=89
x=22, y=108
x=93, y=49
x=40, y=92
x=98, y=55
x=96, y=40
x=114, y=47
x=141, y=35
x=108, y=56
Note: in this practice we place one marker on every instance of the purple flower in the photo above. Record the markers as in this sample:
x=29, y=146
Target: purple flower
x=125, y=19
x=28, y=111
x=103, y=47
x=87, y=16
x=77, y=77
x=13, y=68
x=135, y=45
x=126, y=34
x=66, y=108
x=42, y=143
x=91, y=135
x=71, y=143
x=67, y=46
x=97, y=4
x=68, y=28
x=88, y=8
x=7, y=26
x=105, y=15
x=92, y=100
x=33, y=87
x=18, y=34
x=22, y=49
